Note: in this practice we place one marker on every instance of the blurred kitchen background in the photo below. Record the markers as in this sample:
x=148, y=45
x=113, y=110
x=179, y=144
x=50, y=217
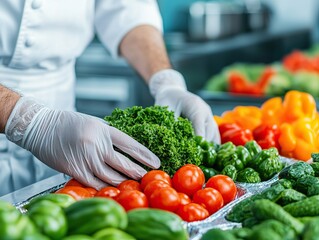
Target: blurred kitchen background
x=202, y=37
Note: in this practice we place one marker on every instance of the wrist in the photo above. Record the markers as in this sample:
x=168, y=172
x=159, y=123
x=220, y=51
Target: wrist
x=24, y=111
x=166, y=79
x=8, y=100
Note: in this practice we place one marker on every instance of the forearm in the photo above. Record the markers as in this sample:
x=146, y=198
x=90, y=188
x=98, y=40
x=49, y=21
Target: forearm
x=144, y=49
x=8, y=100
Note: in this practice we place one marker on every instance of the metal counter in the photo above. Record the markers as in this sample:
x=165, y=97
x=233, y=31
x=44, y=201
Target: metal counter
x=38, y=188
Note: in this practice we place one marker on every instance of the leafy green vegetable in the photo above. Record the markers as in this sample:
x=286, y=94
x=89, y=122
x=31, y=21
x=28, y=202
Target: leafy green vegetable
x=296, y=171
x=289, y=196
x=172, y=140
x=304, y=183
x=315, y=157
x=315, y=167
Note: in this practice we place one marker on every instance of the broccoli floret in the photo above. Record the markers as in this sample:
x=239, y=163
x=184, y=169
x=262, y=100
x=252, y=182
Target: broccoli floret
x=172, y=140
x=248, y=175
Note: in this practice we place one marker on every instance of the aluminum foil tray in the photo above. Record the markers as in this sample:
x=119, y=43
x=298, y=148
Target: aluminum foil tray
x=216, y=220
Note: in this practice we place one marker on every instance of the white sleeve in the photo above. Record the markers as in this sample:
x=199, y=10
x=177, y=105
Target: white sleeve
x=115, y=18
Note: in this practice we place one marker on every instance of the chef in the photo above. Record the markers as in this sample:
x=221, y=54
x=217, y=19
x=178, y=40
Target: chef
x=39, y=43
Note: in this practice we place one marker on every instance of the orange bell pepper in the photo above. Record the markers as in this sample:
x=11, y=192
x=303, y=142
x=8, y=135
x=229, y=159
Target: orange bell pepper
x=248, y=117
x=303, y=150
x=272, y=111
x=298, y=105
x=287, y=139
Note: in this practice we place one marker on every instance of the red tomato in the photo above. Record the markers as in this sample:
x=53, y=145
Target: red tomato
x=91, y=190
x=192, y=212
x=152, y=186
x=188, y=179
x=129, y=185
x=76, y=192
x=108, y=192
x=225, y=185
x=131, y=199
x=166, y=199
x=209, y=198
x=73, y=182
x=155, y=175
x=184, y=198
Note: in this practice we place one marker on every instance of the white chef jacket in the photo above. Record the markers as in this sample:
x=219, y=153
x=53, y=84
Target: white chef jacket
x=39, y=42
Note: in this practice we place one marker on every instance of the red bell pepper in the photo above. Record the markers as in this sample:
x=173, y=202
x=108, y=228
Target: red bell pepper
x=238, y=84
x=267, y=136
x=232, y=132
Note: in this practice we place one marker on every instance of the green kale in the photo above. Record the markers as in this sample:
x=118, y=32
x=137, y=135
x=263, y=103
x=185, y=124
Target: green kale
x=296, y=171
x=172, y=140
x=303, y=183
x=315, y=157
x=289, y=196
x=283, y=182
x=315, y=167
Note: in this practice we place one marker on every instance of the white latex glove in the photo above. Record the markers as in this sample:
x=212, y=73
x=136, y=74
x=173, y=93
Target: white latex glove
x=79, y=145
x=169, y=89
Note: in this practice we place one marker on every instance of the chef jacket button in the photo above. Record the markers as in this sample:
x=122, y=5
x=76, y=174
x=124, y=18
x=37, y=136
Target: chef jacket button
x=29, y=42
x=36, y=4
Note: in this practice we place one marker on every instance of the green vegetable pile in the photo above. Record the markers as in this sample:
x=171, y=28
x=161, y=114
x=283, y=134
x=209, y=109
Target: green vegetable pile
x=289, y=209
x=249, y=163
x=60, y=217
x=172, y=140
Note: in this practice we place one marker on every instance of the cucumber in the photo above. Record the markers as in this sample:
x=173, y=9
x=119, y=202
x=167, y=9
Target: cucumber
x=218, y=234
x=307, y=207
x=155, y=224
x=311, y=231
x=90, y=215
x=265, y=209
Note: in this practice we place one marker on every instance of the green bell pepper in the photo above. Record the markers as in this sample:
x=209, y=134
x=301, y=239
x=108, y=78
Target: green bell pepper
x=208, y=172
x=49, y=218
x=243, y=154
x=13, y=224
x=248, y=175
x=209, y=157
x=112, y=234
x=230, y=171
x=253, y=148
x=63, y=200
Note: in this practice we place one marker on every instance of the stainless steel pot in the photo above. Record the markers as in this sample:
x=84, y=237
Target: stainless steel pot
x=213, y=20
x=219, y=19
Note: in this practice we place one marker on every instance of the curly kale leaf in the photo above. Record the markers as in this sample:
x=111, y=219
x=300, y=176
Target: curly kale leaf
x=172, y=140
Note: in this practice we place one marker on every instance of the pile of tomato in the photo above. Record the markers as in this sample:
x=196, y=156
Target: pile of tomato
x=185, y=194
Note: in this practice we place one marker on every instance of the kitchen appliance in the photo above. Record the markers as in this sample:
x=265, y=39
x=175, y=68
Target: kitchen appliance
x=219, y=19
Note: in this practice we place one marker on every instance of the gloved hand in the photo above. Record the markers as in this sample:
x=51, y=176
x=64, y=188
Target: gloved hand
x=79, y=145
x=169, y=89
